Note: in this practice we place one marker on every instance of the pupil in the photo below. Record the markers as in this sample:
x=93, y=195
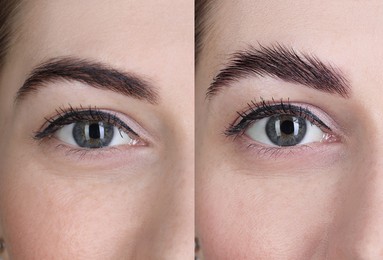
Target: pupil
x=287, y=127
x=94, y=131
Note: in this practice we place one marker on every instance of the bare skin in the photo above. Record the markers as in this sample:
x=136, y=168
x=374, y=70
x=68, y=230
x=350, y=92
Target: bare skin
x=324, y=202
x=132, y=202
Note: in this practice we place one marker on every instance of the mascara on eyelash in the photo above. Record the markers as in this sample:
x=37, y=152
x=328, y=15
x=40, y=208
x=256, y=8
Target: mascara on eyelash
x=258, y=111
x=73, y=115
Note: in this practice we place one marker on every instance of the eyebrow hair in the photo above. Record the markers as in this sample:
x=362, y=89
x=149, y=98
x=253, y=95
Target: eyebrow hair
x=283, y=63
x=95, y=74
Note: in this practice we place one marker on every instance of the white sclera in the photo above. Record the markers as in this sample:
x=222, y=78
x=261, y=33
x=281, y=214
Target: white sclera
x=257, y=132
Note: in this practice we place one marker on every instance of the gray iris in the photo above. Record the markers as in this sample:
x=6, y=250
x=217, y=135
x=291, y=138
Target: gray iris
x=93, y=134
x=286, y=130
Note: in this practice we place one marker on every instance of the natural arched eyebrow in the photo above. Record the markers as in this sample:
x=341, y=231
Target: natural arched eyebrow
x=95, y=74
x=282, y=63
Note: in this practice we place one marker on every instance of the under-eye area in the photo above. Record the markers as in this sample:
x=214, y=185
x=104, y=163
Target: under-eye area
x=277, y=126
x=88, y=129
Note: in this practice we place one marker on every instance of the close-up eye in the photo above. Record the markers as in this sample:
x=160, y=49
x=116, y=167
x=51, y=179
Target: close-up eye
x=93, y=134
x=284, y=130
x=280, y=125
x=89, y=129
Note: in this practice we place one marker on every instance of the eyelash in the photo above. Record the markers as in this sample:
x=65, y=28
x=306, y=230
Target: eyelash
x=263, y=109
x=71, y=115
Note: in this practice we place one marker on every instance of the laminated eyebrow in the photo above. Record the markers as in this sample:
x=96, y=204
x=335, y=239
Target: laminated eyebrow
x=91, y=73
x=283, y=63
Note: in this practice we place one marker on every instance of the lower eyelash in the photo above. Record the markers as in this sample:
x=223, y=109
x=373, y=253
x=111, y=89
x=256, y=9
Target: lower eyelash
x=277, y=151
x=82, y=153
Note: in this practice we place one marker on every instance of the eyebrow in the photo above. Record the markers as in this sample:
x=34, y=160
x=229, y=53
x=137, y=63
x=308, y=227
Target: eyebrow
x=95, y=74
x=283, y=63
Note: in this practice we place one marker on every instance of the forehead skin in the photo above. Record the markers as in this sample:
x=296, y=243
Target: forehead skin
x=103, y=219
x=125, y=34
x=271, y=218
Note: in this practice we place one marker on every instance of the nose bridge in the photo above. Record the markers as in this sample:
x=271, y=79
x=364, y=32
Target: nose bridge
x=180, y=178
x=357, y=230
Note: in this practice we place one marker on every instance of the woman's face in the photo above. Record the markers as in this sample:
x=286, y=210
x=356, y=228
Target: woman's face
x=320, y=195
x=133, y=197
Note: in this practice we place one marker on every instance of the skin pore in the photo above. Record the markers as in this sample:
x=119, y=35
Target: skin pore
x=129, y=201
x=320, y=200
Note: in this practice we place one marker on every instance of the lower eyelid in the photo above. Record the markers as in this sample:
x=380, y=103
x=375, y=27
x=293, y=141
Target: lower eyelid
x=104, y=158
x=310, y=150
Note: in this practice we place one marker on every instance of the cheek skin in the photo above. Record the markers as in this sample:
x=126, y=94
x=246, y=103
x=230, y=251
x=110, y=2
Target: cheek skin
x=50, y=210
x=66, y=219
x=76, y=218
x=264, y=217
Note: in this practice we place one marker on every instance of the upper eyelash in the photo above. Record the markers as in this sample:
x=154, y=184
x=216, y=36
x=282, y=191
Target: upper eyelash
x=264, y=109
x=70, y=115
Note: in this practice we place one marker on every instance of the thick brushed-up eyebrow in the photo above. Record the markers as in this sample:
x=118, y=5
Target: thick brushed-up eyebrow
x=283, y=63
x=94, y=74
